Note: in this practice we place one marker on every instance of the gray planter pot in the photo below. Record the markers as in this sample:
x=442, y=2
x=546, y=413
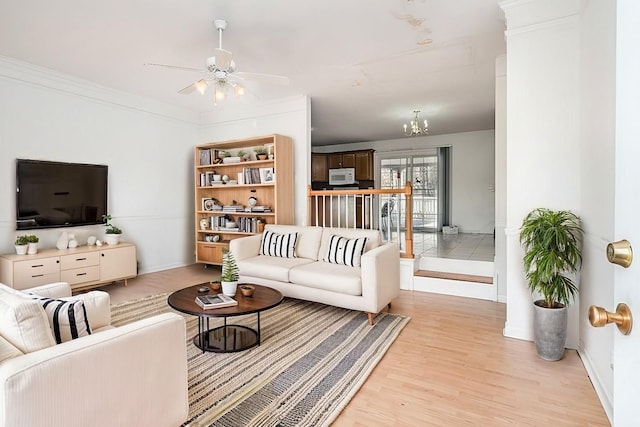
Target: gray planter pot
x=550, y=331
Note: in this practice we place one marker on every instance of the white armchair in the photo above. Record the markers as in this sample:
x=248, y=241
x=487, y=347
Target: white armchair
x=132, y=375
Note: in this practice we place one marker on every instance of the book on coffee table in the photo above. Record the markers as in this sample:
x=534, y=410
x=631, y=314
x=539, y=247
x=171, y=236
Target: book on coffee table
x=215, y=301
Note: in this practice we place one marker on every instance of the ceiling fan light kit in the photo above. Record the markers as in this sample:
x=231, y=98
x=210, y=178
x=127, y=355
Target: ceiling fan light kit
x=414, y=129
x=220, y=72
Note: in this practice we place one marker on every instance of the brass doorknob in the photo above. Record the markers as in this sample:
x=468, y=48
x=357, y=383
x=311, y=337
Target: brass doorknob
x=620, y=253
x=599, y=317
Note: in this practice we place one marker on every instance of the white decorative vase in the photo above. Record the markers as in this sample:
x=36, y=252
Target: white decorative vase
x=32, y=248
x=63, y=241
x=112, y=239
x=229, y=288
x=21, y=249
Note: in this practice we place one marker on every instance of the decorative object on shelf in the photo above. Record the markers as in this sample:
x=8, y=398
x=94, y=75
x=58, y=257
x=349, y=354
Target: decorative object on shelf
x=63, y=241
x=552, y=243
x=91, y=240
x=230, y=273
x=212, y=238
x=21, y=244
x=32, y=245
x=261, y=153
x=252, y=201
x=247, y=290
x=98, y=242
x=112, y=233
x=225, y=178
x=203, y=224
x=73, y=243
x=244, y=156
x=267, y=176
x=414, y=129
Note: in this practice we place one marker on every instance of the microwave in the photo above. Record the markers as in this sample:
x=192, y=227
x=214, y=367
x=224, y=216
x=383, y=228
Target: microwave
x=342, y=176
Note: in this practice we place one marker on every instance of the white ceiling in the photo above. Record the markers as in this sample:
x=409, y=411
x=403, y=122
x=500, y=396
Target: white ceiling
x=366, y=64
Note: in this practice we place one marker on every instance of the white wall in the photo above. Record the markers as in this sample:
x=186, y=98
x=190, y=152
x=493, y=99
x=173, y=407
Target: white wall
x=148, y=147
x=543, y=135
x=473, y=172
x=500, y=275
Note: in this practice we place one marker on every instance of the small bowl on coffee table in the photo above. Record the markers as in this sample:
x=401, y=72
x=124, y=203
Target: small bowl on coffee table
x=247, y=290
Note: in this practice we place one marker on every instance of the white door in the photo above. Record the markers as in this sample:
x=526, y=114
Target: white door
x=626, y=355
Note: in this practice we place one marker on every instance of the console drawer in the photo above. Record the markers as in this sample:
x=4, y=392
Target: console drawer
x=80, y=275
x=85, y=259
x=29, y=269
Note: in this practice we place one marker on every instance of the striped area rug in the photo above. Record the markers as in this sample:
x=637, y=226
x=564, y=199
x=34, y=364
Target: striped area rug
x=312, y=360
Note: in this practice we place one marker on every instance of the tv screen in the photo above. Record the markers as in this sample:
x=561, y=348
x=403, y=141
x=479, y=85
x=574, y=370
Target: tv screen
x=56, y=194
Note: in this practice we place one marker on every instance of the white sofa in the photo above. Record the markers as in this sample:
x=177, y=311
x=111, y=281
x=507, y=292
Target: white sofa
x=368, y=288
x=133, y=375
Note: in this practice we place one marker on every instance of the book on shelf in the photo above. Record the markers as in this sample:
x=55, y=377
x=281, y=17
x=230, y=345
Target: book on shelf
x=215, y=301
x=233, y=208
x=257, y=209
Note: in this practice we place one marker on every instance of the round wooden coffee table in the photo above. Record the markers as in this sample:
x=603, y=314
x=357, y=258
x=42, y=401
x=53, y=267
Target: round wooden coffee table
x=226, y=338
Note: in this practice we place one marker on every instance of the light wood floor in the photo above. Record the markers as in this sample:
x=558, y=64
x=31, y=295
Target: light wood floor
x=450, y=366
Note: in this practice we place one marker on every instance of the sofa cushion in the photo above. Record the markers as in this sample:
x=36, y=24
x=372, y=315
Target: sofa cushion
x=345, y=251
x=23, y=321
x=308, y=239
x=280, y=245
x=330, y=277
x=269, y=267
x=67, y=318
x=8, y=350
x=373, y=237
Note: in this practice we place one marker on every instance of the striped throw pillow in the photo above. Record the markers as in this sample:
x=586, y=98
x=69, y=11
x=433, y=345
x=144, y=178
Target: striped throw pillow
x=280, y=245
x=67, y=318
x=345, y=251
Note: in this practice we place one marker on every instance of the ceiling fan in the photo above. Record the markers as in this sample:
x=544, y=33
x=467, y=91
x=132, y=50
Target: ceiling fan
x=220, y=71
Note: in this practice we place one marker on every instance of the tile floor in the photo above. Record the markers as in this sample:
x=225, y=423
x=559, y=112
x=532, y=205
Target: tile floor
x=477, y=247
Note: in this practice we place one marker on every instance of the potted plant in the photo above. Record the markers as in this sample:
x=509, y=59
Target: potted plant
x=261, y=153
x=244, y=156
x=21, y=244
x=230, y=273
x=552, y=244
x=32, y=244
x=112, y=234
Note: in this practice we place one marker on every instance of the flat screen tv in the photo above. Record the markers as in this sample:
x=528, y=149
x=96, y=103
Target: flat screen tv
x=57, y=194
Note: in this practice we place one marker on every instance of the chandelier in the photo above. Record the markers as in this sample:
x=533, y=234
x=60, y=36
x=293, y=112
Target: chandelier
x=414, y=129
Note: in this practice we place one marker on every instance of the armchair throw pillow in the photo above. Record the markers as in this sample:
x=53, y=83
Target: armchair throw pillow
x=67, y=318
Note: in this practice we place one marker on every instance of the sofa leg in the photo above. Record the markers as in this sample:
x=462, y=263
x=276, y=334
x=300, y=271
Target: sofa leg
x=389, y=306
x=370, y=318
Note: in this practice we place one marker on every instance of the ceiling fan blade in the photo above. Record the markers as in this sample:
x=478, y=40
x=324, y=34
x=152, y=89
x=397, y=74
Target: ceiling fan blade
x=175, y=67
x=223, y=58
x=270, y=78
x=200, y=86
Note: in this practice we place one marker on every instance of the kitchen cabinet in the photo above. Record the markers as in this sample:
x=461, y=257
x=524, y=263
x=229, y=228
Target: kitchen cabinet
x=319, y=169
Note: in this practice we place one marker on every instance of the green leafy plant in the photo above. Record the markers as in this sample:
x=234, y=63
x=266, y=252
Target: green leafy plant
x=260, y=150
x=230, y=271
x=224, y=154
x=242, y=153
x=552, y=243
x=32, y=238
x=111, y=229
x=22, y=240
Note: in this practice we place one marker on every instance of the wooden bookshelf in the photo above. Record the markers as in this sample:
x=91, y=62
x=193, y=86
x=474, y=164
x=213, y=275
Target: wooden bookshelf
x=274, y=191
